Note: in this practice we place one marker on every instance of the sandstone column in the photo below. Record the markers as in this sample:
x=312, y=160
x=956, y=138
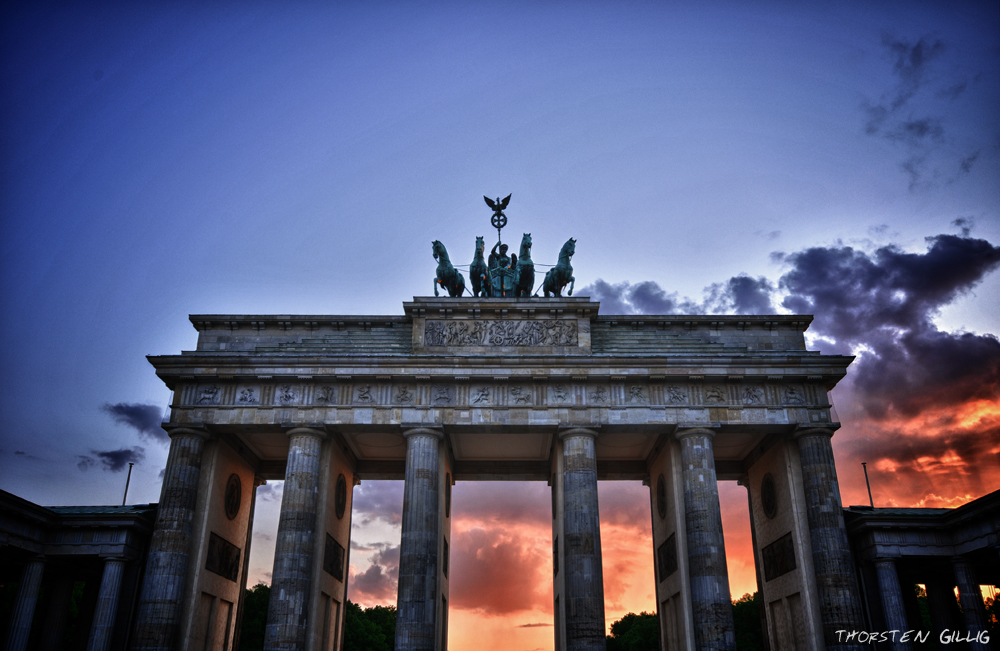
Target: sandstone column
x=971, y=598
x=584, y=580
x=893, y=607
x=710, y=599
x=294, y=544
x=162, y=596
x=24, y=605
x=840, y=605
x=416, y=604
x=107, y=605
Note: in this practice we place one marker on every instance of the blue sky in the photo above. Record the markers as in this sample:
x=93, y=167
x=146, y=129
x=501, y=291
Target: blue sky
x=161, y=159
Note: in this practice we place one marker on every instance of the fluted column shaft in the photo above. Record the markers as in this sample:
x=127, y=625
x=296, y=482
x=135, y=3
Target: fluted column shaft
x=296, y=539
x=24, y=605
x=584, y=579
x=840, y=605
x=971, y=598
x=710, y=599
x=941, y=602
x=892, y=600
x=162, y=597
x=417, y=597
x=107, y=605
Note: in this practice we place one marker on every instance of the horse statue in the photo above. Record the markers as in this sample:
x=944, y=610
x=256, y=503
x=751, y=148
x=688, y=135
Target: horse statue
x=562, y=274
x=479, y=273
x=447, y=276
x=524, y=280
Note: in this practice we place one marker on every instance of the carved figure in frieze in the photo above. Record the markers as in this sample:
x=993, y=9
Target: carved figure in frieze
x=520, y=395
x=364, y=396
x=635, y=395
x=482, y=396
x=248, y=396
x=326, y=394
x=793, y=396
x=600, y=394
x=560, y=393
x=502, y=332
x=676, y=395
x=208, y=395
x=285, y=395
x=715, y=394
x=753, y=396
x=442, y=394
x=404, y=396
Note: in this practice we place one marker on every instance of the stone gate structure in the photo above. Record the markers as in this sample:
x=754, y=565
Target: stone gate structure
x=460, y=389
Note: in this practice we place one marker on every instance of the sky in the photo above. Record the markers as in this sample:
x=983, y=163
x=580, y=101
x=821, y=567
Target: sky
x=836, y=159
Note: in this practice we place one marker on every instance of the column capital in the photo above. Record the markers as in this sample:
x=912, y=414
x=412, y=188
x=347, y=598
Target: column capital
x=307, y=431
x=423, y=431
x=824, y=430
x=701, y=430
x=174, y=431
x=577, y=431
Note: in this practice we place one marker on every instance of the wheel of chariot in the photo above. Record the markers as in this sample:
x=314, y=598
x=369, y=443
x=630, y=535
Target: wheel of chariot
x=499, y=221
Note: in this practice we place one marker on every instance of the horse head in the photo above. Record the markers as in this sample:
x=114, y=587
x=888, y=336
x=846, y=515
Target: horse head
x=526, y=246
x=480, y=245
x=438, y=249
x=569, y=248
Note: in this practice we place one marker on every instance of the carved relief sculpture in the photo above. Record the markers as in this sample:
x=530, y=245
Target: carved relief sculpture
x=248, y=396
x=285, y=395
x=442, y=394
x=600, y=394
x=404, y=396
x=364, y=396
x=325, y=394
x=521, y=396
x=676, y=395
x=715, y=394
x=209, y=395
x=560, y=393
x=482, y=396
x=793, y=396
x=753, y=396
x=635, y=395
x=556, y=332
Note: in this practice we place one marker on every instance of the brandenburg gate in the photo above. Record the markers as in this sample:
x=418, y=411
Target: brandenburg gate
x=473, y=388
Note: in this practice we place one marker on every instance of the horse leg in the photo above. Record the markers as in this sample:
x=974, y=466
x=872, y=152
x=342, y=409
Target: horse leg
x=572, y=284
x=436, y=281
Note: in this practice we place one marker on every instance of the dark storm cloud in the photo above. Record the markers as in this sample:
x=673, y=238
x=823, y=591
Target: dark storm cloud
x=111, y=460
x=145, y=419
x=739, y=295
x=964, y=224
x=953, y=91
x=883, y=303
x=378, y=583
x=966, y=163
x=916, y=132
x=379, y=500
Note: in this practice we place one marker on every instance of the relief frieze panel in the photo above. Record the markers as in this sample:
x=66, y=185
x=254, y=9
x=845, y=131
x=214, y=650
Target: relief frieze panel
x=501, y=332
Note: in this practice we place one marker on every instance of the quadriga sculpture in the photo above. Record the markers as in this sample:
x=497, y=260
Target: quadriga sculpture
x=447, y=276
x=479, y=272
x=525, y=279
x=562, y=274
